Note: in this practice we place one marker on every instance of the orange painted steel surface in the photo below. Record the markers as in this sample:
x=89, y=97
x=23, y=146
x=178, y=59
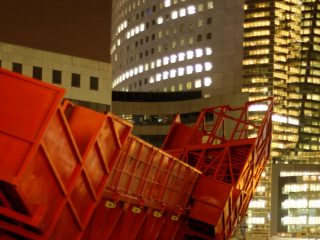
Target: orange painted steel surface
x=231, y=150
x=67, y=172
x=53, y=168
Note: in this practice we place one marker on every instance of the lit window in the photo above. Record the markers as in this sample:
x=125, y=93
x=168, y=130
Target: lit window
x=140, y=68
x=174, y=14
x=200, y=7
x=180, y=87
x=128, y=35
x=189, y=69
x=165, y=75
x=182, y=12
x=181, y=56
x=189, y=85
x=173, y=58
x=142, y=27
x=159, y=63
x=207, y=81
x=210, y=5
x=158, y=77
x=199, y=52
x=160, y=20
x=190, y=54
x=197, y=83
x=165, y=60
x=131, y=72
x=127, y=74
x=151, y=80
x=173, y=73
x=167, y=3
x=146, y=66
x=207, y=66
x=173, y=88
x=152, y=65
x=180, y=71
x=198, y=68
x=191, y=9
x=135, y=71
x=137, y=30
x=208, y=51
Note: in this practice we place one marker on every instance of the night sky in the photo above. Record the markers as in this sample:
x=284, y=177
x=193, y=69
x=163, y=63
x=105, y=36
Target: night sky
x=81, y=28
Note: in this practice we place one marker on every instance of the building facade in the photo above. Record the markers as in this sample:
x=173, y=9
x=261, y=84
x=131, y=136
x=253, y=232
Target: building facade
x=177, y=45
x=87, y=82
x=281, y=59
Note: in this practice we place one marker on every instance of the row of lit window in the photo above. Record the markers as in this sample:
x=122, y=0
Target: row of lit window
x=173, y=58
x=288, y=220
x=261, y=23
x=300, y=203
x=168, y=3
x=303, y=187
x=256, y=33
x=296, y=174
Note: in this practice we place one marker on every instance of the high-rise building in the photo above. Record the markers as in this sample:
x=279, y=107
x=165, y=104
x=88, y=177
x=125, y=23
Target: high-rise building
x=281, y=59
x=177, y=45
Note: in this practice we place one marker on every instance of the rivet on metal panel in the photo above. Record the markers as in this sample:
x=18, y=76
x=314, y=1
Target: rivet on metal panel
x=174, y=218
x=157, y=214
x=110, y=204
x=136, y=210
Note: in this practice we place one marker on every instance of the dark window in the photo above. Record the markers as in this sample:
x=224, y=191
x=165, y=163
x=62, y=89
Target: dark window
x=56, y=76
x=147, y=25
x=0, y=63
x=154, y=8
x=146, y=81
x=137, y=16
x=37, y=72
x=153, y=22
x=140, y=55
x=152, y=50
x=199, y=38
x=17, y=67
x=135, y=85
x=141, y=41
x=75, y=80
x=209, y=20
x=140, y=83
x=137, y=43
x=94, y=83
x=146, y=53
x=209, y=35
x=142, y=13
x=147, y=38
x=153, y=36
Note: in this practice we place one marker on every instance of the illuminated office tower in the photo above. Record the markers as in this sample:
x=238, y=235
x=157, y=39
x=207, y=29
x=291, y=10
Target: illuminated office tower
x=281, y=59
x=177, y=45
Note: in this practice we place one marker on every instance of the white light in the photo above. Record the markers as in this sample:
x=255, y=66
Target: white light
x=293, y=121
x=158, y=77
x=294, y=203
x=197, y=83
x=160, y=20
x=190, y=54
x=180, y=71
x=189, y=69
x=294, y=220
x=174, y=14
x=182, y=12
x=140, y=68
x=128, y=35
x=151, y=80
x=173, y=58
x=165, y=75
x=207, y=81
x=199, y=52
x=127, y=74
x=125, y=23
x=198, y=67
x=142, y=27
x=257, y=204
x=118, y=42
x=137, y=30
x=314, y=203
x=181, y=56
x=131, y=72
x=165, y=60
x=279, y=118
x=167, y=3
x=158, y=63
x=255, y=220
x=152, y=65
x=173, y=73
x=132, y=32
x=135, y=71
x=208, y=51
x=258, y=108
x=207, y=66
x=191, y=9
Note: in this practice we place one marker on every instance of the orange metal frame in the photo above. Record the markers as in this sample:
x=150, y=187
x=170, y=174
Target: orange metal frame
x=67, y=172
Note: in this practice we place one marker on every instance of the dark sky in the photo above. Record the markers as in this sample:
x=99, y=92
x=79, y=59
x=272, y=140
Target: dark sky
x=81, y=28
